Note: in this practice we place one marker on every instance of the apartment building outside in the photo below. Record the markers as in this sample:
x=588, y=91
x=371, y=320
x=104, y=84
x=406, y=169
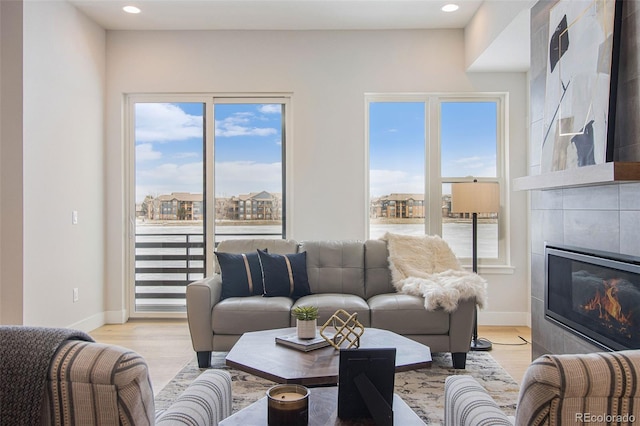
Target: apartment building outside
x=187, y=206
x=253, y=206
x=412, y=206
x=174, y=206
x=398, y=206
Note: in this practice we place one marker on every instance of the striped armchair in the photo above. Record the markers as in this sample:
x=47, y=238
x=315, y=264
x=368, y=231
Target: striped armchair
x=95, y=384
x=596, y=389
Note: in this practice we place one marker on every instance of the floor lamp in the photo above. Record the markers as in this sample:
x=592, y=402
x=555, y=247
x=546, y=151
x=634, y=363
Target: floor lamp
x=475, y=197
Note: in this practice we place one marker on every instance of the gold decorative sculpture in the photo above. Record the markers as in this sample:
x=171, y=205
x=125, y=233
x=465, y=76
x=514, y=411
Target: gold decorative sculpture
x=347, y=329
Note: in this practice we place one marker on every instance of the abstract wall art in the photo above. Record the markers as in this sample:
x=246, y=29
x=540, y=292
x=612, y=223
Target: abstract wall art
x=579, y=109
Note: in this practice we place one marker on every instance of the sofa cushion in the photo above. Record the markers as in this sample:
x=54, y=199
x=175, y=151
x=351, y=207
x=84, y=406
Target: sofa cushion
x=275, y=246
x=284, y=274
x=377, y=272
x=335, y=266
x=241, y=274
x=237, y=315
x=405, y=314
x=329, y=303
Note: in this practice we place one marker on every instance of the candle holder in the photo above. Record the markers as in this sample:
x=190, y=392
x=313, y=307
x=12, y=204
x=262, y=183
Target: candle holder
x=288, y=405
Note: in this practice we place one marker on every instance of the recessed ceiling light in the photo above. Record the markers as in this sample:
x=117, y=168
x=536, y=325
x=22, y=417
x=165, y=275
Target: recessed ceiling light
x=131, y=9
x=450, y=7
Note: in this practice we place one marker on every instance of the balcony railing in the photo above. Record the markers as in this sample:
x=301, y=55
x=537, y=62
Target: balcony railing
x=166, y=263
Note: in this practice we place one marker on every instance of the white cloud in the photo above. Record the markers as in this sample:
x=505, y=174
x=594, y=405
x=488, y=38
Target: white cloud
x=169, y=177
x=270, y=108
x=239, y=125
x=243, y=177
x=161, y=122
x=385, y=182
x=476, y=166
x=180, y=155
x=189, y=173
x=145, y=152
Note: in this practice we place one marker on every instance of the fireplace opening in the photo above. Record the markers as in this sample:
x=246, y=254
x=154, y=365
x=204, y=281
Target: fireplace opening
x=595, y=295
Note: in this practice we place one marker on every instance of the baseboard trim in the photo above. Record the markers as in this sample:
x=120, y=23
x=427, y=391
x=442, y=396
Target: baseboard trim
x=90, y=323
x=504, y=318
x=116, y=317
x=100, y=319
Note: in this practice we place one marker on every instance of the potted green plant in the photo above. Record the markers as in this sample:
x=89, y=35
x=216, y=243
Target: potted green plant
x=306, y=321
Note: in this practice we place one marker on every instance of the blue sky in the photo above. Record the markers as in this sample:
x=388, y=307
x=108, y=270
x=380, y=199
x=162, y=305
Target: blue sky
x=248, y=146
x=397, y=143
x=169, y=148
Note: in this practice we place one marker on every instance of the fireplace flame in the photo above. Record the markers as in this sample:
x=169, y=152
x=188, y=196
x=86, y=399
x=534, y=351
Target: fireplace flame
x=607, y=304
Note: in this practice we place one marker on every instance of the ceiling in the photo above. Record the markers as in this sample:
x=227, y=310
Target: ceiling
x=311, y=15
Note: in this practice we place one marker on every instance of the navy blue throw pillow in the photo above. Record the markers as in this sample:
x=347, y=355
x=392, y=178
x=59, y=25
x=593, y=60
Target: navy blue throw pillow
x=284, y=275
x=241, y=274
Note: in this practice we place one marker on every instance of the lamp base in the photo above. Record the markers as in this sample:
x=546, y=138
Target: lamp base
x=480, y=345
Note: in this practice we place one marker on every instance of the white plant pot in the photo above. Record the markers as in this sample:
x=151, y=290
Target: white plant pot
x=306, y=329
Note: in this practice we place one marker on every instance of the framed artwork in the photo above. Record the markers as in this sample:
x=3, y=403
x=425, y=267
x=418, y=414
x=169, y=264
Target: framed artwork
x=581, y=81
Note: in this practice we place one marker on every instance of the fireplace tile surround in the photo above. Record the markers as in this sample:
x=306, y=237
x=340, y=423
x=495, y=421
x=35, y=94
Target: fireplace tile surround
x=603, y=218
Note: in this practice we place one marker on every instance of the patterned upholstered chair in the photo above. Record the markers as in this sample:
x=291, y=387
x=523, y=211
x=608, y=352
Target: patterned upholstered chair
x=96, y=384
x=86, y=383
x=596, y=389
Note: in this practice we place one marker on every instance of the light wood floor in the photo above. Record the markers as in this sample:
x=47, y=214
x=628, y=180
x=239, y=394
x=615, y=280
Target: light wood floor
x=166, y=346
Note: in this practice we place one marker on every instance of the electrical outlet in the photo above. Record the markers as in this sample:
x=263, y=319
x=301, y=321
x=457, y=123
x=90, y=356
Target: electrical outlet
x=75, y=295
x=74, y=217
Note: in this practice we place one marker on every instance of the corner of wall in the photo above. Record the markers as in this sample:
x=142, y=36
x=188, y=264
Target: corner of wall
x=11, y=163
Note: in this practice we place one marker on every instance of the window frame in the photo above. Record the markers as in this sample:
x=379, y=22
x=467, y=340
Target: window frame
x=433, y=155
x=209, y=207
x=287, y=152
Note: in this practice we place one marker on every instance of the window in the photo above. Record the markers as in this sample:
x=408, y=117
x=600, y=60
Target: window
x=200, y=169
x=418, y=146
x=469, y=149
x=249, y=146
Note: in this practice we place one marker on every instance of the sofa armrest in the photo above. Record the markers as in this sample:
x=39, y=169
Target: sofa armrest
x=461, y=326
x=603, y=383
x=202, y=296
x=467, y=403
x=205, y=402
x=91, y=383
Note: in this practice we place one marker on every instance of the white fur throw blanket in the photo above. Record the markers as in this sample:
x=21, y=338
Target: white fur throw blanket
x=425, y=266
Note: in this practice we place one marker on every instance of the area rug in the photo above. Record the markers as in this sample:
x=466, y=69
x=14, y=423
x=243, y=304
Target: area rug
x=422, y=390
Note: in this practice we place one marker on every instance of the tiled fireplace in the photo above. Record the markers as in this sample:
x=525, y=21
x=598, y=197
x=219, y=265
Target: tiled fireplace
x=594, y=218
x=594, y=295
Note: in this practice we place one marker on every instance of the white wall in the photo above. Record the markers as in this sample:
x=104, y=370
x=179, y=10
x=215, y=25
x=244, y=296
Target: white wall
x=11, y=254
x=64, y=85
x=328, y=73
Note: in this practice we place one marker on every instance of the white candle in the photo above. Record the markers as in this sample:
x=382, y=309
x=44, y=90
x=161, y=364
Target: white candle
x=288, y=405
x=288, y=396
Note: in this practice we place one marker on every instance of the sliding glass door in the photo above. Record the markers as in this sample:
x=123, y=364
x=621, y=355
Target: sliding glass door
x=169, y=243
x=201, y=170
x=249, y=147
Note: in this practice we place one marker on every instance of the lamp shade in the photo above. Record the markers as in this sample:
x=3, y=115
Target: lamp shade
x=475, y=197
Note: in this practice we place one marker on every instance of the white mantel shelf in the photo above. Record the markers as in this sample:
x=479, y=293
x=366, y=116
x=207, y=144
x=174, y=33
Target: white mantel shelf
x=599, y=174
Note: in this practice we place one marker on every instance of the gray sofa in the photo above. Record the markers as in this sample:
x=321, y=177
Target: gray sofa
x=349, y=275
